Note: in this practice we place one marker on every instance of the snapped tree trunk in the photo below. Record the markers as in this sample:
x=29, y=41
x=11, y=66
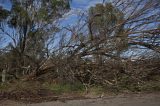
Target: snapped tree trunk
x=3, y=76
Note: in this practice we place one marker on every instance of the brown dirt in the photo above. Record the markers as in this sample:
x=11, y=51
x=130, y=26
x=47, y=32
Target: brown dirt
x=152, y=99
x=37, y=96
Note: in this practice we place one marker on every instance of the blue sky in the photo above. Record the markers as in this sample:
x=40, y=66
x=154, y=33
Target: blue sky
x=84, y=4
x=6, y=4
x=77, y=6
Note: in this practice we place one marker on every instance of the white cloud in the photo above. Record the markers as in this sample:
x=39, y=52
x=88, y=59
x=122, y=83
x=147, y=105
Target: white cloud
x=73, y=11
x=77, y=7
x=84, y=4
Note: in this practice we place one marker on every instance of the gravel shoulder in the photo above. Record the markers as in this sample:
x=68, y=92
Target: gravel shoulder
x=151, y=99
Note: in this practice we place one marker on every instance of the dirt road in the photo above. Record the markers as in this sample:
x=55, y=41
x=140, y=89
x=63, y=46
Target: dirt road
x=121, y=100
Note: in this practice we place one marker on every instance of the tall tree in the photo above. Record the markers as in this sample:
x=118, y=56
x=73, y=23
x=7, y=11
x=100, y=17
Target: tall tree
x=102, y=19
x=31, y=23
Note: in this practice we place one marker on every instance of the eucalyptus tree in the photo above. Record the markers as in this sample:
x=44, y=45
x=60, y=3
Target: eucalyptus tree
x=102, y=18
x=29, y=24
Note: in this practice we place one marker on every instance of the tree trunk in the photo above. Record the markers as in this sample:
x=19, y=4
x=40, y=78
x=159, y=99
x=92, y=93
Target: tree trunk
x=3, y=76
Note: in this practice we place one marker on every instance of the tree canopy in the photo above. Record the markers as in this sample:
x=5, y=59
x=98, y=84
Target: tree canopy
x=31, y=23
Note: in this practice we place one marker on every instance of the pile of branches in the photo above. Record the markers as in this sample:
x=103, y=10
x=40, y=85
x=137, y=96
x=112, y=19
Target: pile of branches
x=113, y=72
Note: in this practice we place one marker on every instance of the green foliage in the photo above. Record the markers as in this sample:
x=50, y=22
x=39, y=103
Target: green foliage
x=62, y=3
x=108, y=16
x=30, y=20
x=55, y=3
x=42, y=14
x=106, y=22
x=3, y=14
x=4, y=87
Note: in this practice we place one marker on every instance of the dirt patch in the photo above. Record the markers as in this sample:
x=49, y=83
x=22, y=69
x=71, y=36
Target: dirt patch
x=151, y=99
x=37, y=96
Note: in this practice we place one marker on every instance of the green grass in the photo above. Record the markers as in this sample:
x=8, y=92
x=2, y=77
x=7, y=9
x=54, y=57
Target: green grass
x=96, y=90
x=150, y=86
x=64, y=88
x=4, y=87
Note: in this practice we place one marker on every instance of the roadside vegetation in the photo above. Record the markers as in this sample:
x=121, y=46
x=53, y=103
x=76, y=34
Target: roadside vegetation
x=114, y=47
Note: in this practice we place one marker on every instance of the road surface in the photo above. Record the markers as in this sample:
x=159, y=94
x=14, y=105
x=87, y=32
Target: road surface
x=121, y=100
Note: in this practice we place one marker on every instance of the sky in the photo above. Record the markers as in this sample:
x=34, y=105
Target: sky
x=77, y=6
x=84, y=4
x=6, y=4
